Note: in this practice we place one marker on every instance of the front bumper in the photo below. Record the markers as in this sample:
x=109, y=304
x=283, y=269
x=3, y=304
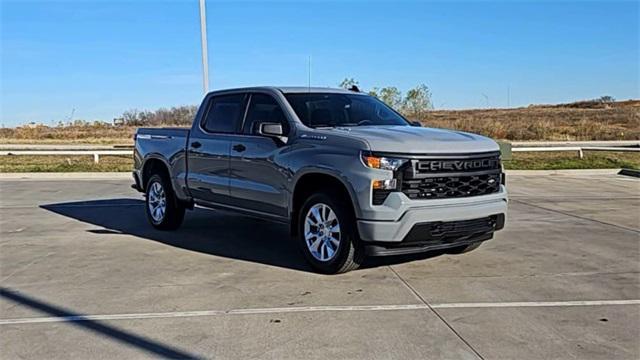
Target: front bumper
x=414, y=212
x=384, y=249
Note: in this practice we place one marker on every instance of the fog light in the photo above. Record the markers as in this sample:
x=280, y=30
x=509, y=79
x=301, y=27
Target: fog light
x=384, y=184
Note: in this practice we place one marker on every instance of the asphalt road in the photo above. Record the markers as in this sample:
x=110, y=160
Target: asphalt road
x=84, y=276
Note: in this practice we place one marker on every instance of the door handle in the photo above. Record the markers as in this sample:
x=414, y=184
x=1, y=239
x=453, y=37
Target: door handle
x=239, y=148
x=195, y=144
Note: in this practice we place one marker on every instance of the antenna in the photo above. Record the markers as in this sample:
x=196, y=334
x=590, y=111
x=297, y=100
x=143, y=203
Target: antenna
x=70, y=118
x=486, y=98
x=309, y=75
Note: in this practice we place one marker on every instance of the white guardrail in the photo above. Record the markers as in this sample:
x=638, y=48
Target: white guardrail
x=516, y=147
x=95, y=153
x=579, y=149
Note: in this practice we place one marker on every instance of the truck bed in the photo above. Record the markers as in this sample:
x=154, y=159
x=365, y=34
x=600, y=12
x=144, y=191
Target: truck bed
x=166, y=144
x=164, y=131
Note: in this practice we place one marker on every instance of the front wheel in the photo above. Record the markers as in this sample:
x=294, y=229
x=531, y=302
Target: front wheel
x=163, y=209
x=328, y=236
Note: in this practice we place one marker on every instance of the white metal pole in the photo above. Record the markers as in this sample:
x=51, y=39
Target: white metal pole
x=203, y=38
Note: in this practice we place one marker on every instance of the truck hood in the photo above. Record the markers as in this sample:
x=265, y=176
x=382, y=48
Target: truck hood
x=420, y=140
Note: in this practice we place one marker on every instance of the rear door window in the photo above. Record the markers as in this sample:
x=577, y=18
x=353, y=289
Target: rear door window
x=224, y=114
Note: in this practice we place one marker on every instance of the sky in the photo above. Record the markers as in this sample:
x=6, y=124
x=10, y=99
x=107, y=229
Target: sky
x=102, y=58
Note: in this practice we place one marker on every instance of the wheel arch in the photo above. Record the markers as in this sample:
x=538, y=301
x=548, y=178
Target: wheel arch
x=154, y=164
x=312, y=181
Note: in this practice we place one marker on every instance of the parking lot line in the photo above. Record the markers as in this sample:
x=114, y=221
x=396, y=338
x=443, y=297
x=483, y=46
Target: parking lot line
x=575, y=216
x=280, y=310
x=520, y=304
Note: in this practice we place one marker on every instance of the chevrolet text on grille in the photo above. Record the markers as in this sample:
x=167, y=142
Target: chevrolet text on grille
x=435, y=165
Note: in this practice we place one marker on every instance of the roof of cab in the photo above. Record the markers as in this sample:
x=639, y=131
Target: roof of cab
x=304, y=89
x=291, y=90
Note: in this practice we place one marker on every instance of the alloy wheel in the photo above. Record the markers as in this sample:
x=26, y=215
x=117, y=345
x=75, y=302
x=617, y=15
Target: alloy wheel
x=322, y=232
x=157, y=202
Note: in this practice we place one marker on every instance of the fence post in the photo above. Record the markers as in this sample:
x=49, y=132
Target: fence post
x=96, y=158
x=580, y=153
x=505, y=150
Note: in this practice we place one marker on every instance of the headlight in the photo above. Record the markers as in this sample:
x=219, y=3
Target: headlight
x=383, y=163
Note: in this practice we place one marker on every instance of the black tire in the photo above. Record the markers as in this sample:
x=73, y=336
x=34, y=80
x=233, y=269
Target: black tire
x=174, y=211
x=350, y=252
x=464, y=249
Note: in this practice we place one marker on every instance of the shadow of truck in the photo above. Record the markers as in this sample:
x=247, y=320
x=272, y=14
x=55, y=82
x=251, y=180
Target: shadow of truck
x=206, y=231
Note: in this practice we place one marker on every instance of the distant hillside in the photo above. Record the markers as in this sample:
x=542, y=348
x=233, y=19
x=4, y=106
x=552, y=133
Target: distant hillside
x=582, y=120
x=594, y=104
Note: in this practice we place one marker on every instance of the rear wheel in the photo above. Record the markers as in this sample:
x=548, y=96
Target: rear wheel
x=327, y=234
x=162, y=207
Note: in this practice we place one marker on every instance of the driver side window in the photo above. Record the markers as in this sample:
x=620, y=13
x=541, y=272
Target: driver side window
x=263, y=109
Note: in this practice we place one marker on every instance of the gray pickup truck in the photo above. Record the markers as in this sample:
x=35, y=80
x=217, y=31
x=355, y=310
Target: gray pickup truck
x=350, y=176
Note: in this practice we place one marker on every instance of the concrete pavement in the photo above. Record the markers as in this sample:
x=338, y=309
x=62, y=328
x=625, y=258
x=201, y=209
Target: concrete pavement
x=84, y=276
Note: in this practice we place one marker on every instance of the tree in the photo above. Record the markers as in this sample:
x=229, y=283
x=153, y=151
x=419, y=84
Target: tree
x=392, y=97
x=606, y=99
x=374, y=92
x=418, y=101
x=181, y=116
x=347, y=83
x=130, y=117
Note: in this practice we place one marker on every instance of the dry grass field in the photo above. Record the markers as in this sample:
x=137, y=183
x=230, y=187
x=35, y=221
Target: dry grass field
x=585, y=120
x=89, y=134
x=617, y=121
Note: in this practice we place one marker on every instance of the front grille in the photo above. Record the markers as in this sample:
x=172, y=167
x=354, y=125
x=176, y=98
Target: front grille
x=445, y=176
x=453, y=176
x=451, y=187
x=440, y=232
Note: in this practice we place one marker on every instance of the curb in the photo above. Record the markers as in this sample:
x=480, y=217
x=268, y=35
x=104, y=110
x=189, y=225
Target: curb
x=66, y=176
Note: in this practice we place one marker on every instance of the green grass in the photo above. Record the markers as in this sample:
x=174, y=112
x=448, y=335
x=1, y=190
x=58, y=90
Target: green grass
x=521, y=161
x=570, y=160
x=65, y=164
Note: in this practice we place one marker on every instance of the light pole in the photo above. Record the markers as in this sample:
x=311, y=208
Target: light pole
x=203, y=39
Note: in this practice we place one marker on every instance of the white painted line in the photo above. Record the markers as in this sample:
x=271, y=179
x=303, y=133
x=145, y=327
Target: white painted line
x=535, y=304
x=280, y=310
x=181, y=314
x=139, y=202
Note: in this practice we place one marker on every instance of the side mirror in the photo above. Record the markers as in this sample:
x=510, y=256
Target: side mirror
x=416, y=123
x=271, y=129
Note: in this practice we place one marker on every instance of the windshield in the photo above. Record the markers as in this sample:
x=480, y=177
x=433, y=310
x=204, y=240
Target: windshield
x=330, y=110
